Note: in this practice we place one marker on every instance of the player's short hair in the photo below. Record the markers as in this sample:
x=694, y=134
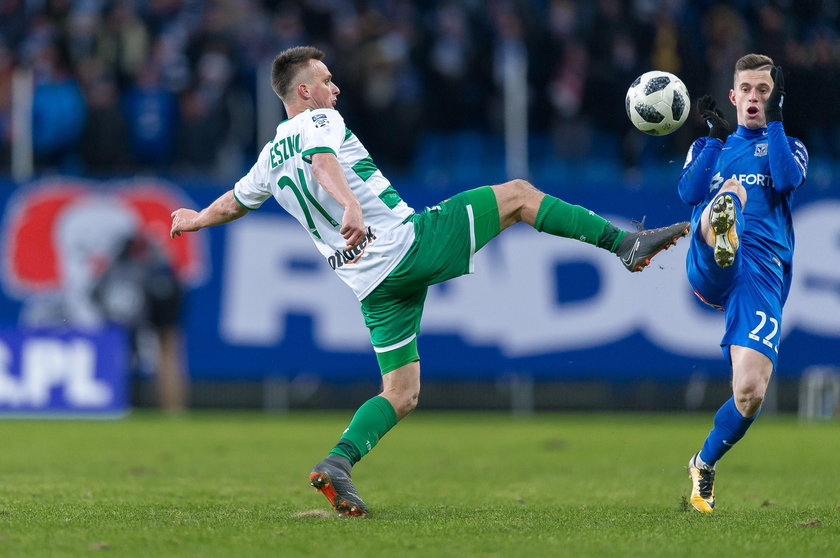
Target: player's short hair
x=753, y=62
x=286, y=66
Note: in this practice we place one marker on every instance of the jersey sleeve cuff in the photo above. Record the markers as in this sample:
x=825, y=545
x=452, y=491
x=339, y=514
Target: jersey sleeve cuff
x=241, y=203
x=307, y=155
x=775, y=124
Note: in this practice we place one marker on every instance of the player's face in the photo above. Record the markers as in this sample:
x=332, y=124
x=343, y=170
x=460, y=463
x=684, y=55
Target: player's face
x=752, y=87
x=323, y=92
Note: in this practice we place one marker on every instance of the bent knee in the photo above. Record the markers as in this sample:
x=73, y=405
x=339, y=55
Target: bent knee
x=518, y=200
x=749, y=398
x=521, y=185
x=517, y=190
x=406, y=405
x=403, y=401
x=411, y=403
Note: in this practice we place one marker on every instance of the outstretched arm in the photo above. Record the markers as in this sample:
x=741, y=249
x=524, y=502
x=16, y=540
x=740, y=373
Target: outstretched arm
x=224, y=210
x=329, y=175
x=703, y=154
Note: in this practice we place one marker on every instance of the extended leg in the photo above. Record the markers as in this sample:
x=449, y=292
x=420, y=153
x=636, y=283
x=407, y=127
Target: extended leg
x=519, y=201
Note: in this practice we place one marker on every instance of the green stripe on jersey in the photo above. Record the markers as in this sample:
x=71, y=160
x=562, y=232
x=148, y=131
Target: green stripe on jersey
x=307, y=155
x=365, y=168
x=390, y=197
x=347, y=132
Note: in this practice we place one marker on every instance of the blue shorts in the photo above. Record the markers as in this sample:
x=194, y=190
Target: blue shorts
x=750, y=297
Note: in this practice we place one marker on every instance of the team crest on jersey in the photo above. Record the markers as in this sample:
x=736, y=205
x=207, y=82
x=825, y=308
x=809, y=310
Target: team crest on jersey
x=320, y=120
x=760, y=149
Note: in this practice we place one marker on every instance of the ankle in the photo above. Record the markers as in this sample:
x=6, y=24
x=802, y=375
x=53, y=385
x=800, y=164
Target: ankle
x=339, y=461
x=700, y=464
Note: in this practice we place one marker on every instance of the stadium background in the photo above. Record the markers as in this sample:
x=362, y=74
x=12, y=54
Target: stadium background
x=138, y=108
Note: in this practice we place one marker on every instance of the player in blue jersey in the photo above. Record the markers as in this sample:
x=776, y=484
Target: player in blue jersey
x=741, y=186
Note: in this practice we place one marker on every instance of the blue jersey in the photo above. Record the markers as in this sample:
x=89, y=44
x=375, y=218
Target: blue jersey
x=770, y=166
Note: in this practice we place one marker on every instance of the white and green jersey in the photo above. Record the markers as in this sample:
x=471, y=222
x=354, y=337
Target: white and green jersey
x=284, y=170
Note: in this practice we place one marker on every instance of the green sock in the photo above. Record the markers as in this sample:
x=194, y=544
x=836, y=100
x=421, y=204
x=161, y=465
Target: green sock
x=573, y=221
x=373, y=419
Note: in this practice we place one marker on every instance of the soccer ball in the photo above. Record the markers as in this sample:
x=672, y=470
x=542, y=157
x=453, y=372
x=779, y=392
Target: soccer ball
x=657, y=103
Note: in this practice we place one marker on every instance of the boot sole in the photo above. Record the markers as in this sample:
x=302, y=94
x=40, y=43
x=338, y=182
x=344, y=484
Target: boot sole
x=722, y=221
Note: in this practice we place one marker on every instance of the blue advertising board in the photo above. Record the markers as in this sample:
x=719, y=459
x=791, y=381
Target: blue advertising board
x=61, y=371
x=261, y=301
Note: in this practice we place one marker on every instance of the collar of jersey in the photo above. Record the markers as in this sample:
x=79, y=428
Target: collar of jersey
x=287, y=119
x=746, y=133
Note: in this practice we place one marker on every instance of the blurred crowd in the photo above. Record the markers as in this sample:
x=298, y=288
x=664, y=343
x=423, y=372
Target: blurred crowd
x=171, y=86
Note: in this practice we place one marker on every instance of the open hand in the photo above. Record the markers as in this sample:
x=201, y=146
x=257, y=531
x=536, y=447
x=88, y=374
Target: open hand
x=773, y=105
x=718, y=126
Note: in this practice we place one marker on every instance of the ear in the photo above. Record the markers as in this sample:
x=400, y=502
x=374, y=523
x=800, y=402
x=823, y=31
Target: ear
x=732, y=96
x=303, y=91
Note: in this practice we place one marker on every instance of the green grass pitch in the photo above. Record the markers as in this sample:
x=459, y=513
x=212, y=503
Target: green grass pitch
x=440, y=484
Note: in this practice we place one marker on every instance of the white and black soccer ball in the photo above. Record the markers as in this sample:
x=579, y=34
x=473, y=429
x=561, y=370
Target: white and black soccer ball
x=657, y=103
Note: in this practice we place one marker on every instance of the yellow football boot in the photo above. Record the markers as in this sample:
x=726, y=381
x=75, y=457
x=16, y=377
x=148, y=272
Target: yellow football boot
x=702, y=487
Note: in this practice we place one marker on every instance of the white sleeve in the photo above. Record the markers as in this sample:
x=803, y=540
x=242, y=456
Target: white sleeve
x=323, y=132
x=253, y=188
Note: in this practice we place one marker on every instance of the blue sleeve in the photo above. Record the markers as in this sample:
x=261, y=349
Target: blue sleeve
x=788, y=159
x=698, y=169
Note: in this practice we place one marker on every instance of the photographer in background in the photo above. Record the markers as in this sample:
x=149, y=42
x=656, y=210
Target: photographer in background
x=140, y=291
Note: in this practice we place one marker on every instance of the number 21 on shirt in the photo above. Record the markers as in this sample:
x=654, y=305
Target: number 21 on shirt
x=286, y=181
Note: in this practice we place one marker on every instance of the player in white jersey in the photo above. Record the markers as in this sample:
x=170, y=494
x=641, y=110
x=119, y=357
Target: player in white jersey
x=388, y=254
x=285, y=171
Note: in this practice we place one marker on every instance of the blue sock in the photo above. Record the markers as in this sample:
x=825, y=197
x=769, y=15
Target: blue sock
x=730, y=426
